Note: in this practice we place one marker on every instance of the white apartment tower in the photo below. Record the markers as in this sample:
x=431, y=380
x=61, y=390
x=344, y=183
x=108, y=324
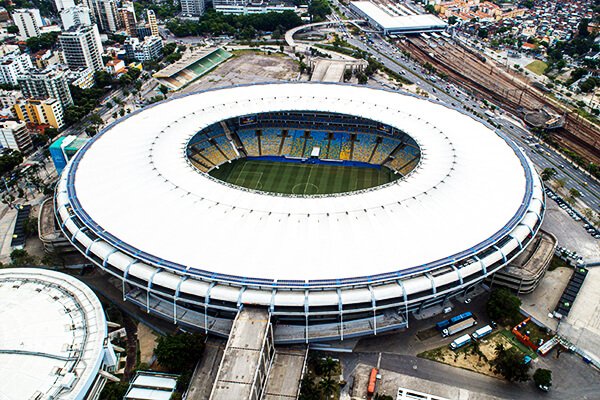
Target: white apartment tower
x=28, y=21
x=64, y=4
x=14, y=135
x=75, y=16
x=193, y=7
x=82, y=47
x=14, y=65
x=51, y=82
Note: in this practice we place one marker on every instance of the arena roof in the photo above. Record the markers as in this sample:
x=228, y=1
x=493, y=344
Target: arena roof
x=52, y=332
x=133, y=186
x=398, y=24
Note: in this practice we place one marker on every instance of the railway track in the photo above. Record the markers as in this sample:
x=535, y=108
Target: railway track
x=486, y=80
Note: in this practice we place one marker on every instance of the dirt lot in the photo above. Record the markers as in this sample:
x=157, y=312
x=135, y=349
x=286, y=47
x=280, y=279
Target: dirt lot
x=466, y=358
x=247, y=67
x=147, y=343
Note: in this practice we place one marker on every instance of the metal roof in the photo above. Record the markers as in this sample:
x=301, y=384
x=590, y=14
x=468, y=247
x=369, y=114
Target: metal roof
x=392, y=22
x=52, y=332
x=134, y=187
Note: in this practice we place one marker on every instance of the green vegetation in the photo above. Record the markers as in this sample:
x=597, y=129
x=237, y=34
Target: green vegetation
x=44, y=41
x=179, y=353
x=319, y=382
x=240, y=26
x=509, y=363
x=318, y=10
x=537, y=67
x=548, y=173
x=163, y=9
x=20, y=258
x=9, y=160
x=296, y=178
x=542, y=377
x=503, y=306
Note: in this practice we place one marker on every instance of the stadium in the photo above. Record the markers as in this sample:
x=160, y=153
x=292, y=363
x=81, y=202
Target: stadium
x=339, y=209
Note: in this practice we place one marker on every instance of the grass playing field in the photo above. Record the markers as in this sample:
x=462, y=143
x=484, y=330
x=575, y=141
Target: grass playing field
x=295, y=178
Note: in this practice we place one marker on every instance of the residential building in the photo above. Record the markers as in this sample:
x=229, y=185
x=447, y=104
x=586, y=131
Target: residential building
x=40, y=112
x=115, y=66
x=64, y=4
x=14, y=135
x=105, y=14
x=28, y=21
x=128, y=18
x=81, y=77
x=46, y=58
x=74, y=16
x=142, y=31
x=8, y=98
x=194, y=8
x=147, y=50
x=152, y=23
x=50, y=82
x=82, y=47
x=12, y=66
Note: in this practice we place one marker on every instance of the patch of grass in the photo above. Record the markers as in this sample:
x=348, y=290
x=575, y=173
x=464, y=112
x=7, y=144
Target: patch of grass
x=537, y=67
x=520, y=346
x=304, y=179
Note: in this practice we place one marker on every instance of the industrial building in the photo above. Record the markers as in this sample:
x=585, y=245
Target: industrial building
x=391, y=24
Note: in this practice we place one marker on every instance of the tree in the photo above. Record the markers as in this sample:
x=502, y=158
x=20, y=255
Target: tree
x=327, y=385
x=574, y=194
x=509, y=363
x=542, y=377
x=548, y=173
x=41, y=42
x=13, y=29
x=163, y=89
x=180, y=352
x=20, y=257
x=503, y=305
x=318, y=10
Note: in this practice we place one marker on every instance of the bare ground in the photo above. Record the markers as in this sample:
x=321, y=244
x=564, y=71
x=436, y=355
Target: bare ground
x=247, y=67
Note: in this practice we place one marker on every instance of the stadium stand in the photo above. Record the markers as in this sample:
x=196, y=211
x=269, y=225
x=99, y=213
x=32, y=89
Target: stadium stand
x=225, y=146
x=297, y=145
x=363, y=147
x=250, y=142
x=383, y=150
x=286, y=144
x=270, y=140
x=191, y=67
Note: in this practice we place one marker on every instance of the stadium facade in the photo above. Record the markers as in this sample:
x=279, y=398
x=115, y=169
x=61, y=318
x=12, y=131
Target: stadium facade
x=139, y=202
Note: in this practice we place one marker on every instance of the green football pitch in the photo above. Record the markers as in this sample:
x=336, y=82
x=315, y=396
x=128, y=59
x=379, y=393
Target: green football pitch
x=296, y=178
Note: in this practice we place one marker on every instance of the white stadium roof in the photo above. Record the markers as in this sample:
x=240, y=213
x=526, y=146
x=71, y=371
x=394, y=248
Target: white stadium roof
x=52, y=332
x=390, y=22
x=134, y=187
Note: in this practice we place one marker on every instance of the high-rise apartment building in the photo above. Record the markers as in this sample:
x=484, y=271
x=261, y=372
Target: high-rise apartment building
x=50, y=82
x=82, y=47
x=40, y=112
x=127, y=17
x=64, y=4
x=74, y=16
x=14, y=65
x=104, y=13
x=14, y=135
x=29, y=22
x=152, y=23
x=193, y=8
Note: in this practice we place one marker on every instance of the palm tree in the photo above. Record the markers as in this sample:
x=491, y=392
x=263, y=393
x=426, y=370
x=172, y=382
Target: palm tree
x=327, y=385
x=328, y=365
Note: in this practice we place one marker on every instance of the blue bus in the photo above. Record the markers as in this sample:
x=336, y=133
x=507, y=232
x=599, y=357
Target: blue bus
x=446, y=323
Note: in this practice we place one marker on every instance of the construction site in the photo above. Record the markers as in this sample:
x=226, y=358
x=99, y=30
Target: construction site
x=507, y=89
